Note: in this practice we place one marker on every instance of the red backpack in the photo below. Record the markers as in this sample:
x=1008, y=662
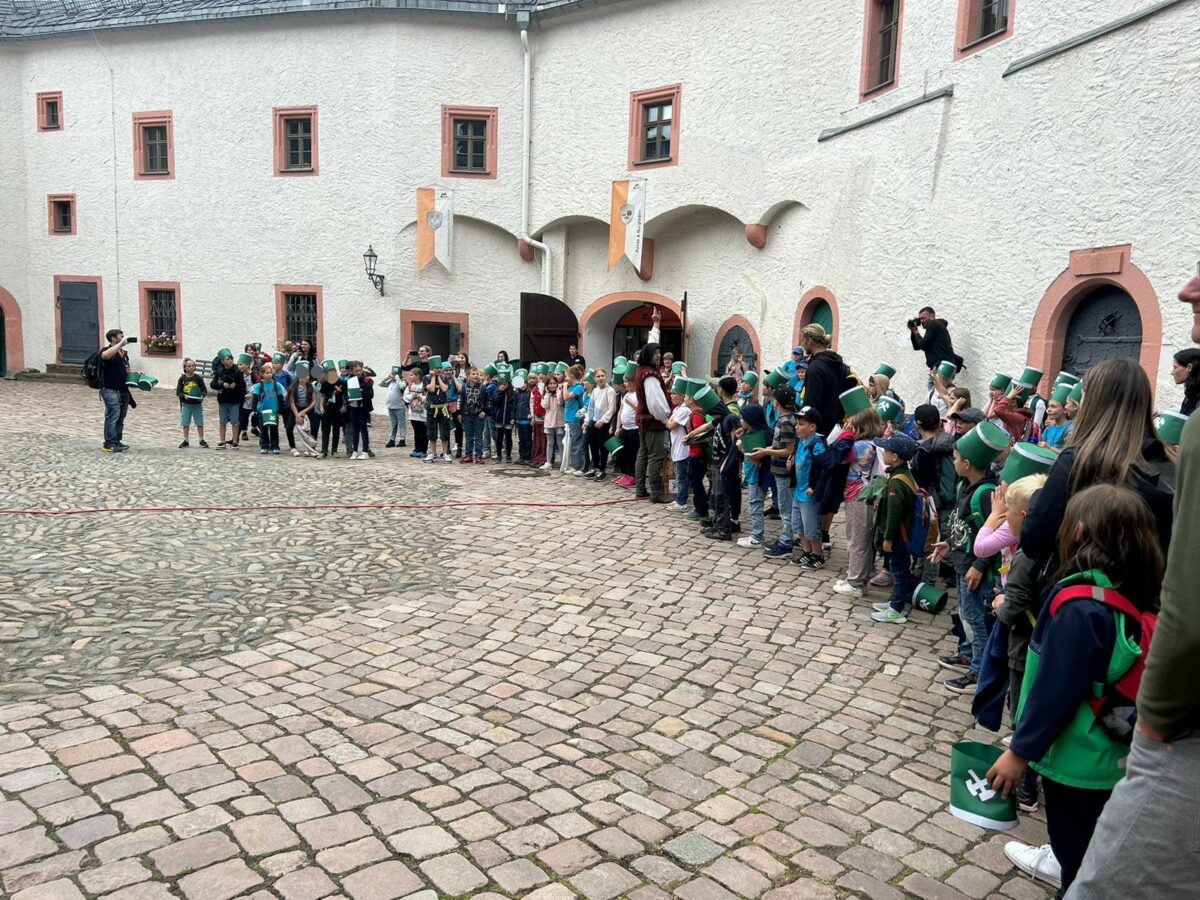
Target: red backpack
x=1116, y=710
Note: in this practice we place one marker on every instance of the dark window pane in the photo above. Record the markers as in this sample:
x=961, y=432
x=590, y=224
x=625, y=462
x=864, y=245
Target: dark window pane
x=51, y=113
x=154, y=141
x=301, y=317
x=162, y=312
x=62, y=215
x=664, y=149
x=665, y=130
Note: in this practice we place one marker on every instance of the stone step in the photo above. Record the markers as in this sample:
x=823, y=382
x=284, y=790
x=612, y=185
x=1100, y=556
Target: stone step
x=75, y=369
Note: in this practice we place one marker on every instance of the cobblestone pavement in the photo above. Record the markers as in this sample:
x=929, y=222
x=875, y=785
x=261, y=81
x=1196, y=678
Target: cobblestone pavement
x=489, y=702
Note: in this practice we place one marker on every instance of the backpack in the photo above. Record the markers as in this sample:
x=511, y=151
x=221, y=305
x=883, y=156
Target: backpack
x=1116, y=709
x=91, y=370
x=922, y=531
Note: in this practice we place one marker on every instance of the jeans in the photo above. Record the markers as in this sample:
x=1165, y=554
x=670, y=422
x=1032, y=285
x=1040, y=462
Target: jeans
x=398, y=424
x=331, y=425
x=806, y=519
x=554, y=446
x=1145, y=844
x=904, y=582
x=578, y=448
x=525, y=442
x=473, y=432
x=356, y=430
x=116, y=405
x=757, y=497
x=696, y=470
x=647, y=470
x=786, y=498
x=972, y=609
x=488, y=435
x=681, y=481
x=726, y=499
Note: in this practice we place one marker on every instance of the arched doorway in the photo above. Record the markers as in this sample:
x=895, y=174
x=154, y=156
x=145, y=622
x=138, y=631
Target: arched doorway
x=739, y=333
x=12, y=344
x=619, y=322
x=548, y=328
x=1105, y=325
x=817, y=305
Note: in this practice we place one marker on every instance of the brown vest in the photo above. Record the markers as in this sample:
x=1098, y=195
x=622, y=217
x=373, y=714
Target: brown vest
x=646, y=421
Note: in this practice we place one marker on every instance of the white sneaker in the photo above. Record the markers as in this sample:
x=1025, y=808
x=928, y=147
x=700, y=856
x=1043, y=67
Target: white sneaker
x=1036, y=862
x=545, y=468
x=890, y=615
x=446, y=458
x=295, y=452
x=432, y=457
x=749, y=541
x=676, y=507
x=845, y=587
x=881, y=607
x=262, y=452
x=577, y=472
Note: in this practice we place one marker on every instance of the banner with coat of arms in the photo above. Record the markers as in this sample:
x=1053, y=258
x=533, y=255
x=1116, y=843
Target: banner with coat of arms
x=628, y=222
x=435, y=227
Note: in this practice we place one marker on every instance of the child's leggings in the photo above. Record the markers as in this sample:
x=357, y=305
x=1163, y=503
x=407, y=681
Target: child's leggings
x=356, y=431
x=554, y=446
x=539, y=443
x=330, y=425
x=629, y=448
x=696, y=470
x=596, y=436
x=420, y=436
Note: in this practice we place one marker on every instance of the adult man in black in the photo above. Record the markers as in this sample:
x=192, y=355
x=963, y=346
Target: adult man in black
x=826, y=376
x=935, y=342
x=573, y=357
x=114, y=367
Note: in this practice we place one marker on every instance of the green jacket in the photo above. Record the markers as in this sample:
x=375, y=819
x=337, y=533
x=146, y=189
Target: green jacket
x=895, y=506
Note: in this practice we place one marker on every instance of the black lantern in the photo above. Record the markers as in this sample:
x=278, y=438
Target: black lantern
x=369, y=260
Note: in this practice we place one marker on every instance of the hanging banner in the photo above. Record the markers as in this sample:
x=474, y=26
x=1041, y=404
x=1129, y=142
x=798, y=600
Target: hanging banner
x=435, y=227
x=627, y=222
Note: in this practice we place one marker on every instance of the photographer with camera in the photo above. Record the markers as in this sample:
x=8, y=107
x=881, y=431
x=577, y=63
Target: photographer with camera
x=935, y=342
x=114, y=368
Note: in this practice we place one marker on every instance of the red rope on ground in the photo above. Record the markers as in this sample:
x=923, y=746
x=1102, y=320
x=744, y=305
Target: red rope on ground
x=282, y=506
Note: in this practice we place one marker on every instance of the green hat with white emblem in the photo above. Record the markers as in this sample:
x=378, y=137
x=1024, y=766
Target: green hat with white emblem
x=329, y=366
x=245, y=359
x=888, y=408
x=278, y=358
x=1169, y=427
x=982, y=444
x=972, y=799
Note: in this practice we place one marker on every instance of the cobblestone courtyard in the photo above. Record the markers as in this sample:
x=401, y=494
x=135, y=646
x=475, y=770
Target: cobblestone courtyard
x=491, y=701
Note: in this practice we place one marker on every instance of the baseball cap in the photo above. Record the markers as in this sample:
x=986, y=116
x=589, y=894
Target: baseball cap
x=808, y=414
x=900, y=444
x=799, y=350
x=785, y=395
x=970, y=415
x=927, y=415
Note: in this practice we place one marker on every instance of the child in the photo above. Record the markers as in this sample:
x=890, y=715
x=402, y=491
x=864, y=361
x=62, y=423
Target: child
x=470, y=404
x=437, y=411
x=725, y=477
x=757, y=470
x=538, y=410
x=856, y=446
x=414, y=397
x=191, y=392
x=268, y=403
x=553, y=406
x=231, y=391
x=397, y=410
x=678, y=426
x=360, y=392
x=523, y=417
x=302, y=401
x=697, y=447
x=333, y=405
x=572, y=407
x=973, y=456
x=806, y=508
x=933, y=470
x=249, y=379
x=627, y=430
x=600, y=412
x=504, y=407
x=1108, y=543
x=780, y=453
x=1058, y=428
x=891, y=526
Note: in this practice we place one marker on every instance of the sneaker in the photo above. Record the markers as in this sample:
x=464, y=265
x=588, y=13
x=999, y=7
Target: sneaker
x=845, y=587
x=1027, y=802
x=772, y=513
x=964, y=684
x=370, y=454
x=890, y=615
x=507, y=459
x=234, y=445
x=777, y=550
x=446, y=458
x=880, y=607
x=336, y=454
x=1039, y=863
x=117, y=448
x=694, y=516
x=295, y=452
x=814, y=562
x=545, y=468
x=478, y=462
x=826, y=547
x=678, y=507
x=801, y=559
x=432, y=457
x=274, y=452
x=458, y=452
x=183, y=444
x=262, y=452
x=204, y=443
x=417, y=454
x=589, y=472
x=402, y=443
x=221, y=446
x=467, y=460
x=882, y=579
x=390, y=444
x=954, y=662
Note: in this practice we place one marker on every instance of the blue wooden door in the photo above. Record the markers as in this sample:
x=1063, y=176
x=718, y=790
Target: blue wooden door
x=79, y=320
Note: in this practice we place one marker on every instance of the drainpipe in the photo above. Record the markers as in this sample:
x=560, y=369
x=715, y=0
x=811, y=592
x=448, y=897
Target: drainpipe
x=526, y=115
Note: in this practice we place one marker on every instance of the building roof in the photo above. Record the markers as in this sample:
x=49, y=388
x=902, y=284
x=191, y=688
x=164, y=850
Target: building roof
x=44, y=18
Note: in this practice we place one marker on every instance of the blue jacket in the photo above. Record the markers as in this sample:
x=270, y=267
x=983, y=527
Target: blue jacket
x=504, y=407
x=524, y=400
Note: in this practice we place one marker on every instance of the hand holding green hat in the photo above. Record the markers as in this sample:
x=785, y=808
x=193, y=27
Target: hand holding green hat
x=1168, y=426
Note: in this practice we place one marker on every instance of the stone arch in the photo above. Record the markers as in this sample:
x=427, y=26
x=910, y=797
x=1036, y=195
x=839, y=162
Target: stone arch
x=808, y=305
x=14, y=341
x=729, y=324
x=598, y=320
x=1088, y=270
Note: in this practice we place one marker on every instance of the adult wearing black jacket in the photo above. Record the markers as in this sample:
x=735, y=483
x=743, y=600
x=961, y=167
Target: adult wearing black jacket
x=935, y=342
x=826, y=376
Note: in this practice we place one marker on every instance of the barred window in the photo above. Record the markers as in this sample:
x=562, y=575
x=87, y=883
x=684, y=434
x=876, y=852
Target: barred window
x=300, y=317
x=162, y=312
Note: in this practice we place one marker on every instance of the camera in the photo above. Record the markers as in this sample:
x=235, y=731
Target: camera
x=914, y=323
x=131, y=340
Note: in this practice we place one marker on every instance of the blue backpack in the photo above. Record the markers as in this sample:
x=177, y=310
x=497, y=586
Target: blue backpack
x=922, y=532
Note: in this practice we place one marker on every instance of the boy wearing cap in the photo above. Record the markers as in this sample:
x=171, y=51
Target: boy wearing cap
x=965, y=419
x=973, y=457
x=231, y=391
x=780, y=453
x=806, y=508
x=891, y=525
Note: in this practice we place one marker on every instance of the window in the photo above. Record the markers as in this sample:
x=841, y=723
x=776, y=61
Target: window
x=61, y=211
x=298, y=313
x=153, y=146
x=162, y=327
x=49, y=107
x=296, y=141
x=469, y=141
x=654, y=127
x=881, y=46
x=982, y=23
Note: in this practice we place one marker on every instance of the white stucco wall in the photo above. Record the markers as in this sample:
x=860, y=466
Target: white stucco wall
x=971, y=205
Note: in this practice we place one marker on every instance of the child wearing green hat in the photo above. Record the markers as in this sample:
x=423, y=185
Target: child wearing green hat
x=333, y=407
x=360, y=395
x=891, y=526
x=677, y=429
x=1058, y=427
x=268, y=397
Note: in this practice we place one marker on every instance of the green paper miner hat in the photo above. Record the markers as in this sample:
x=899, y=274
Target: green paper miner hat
x=396, y=370
x=147, y=382
x=1061, y=393
x=971, y=798
x=224, y=352
x=619, y=363
x=505, y=377
x=1031, y=377
x=132, y=378
x=613, y=445
x=343, y=363
x=524, y=373
x=888, y=409
x=561, y=368
x=256, y=345
x=694, y=386
x=707, y=399
x=753, y=440
x=1076, y=393
x=245, y=359
x=590, y=376
x=489, y=370
x=751, y=378
x=1001, y=382
x=279, y=359
x=303, y=366
x=447, y=365
x=630, y=372
x=776, y=378
x=1027, y=459
x=1022, y=389
x=928, y=598
x=435, y=362
x=329, y=366
x=1169, y=427
x=1066, y=378
x=982, y=444
x=947, y=370
x=679, y=386
x=677, y=367
x=855, y=400
x=886, y=371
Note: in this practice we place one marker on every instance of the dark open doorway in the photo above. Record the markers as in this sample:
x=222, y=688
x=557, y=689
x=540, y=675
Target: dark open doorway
x=548, y=328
